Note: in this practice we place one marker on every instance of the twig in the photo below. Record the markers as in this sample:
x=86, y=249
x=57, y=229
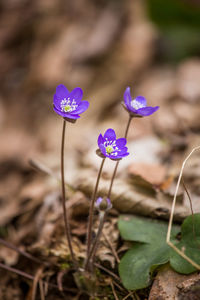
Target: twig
x=113, y=290
x=172, y=214
x=112, y=248
x=107, y=271
x=131, y=294
x=24, y=253
x=41, y=167
x=42, y=294
x=31, y=277
x=35, y=283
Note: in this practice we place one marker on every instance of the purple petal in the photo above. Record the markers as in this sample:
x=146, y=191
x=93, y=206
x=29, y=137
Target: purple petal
x=147, y=111
x=123, y=150
x=127, y=98
x=98, y=201
x=61, y=91
x=124, y=155
x=142, y=100
x=100, y=140
x=103, y=150
x=56, y=101
x=121, y=142
x=121, y=155
x=76, y=94
x=83, y=106
x=65, y=115
x=110, y=134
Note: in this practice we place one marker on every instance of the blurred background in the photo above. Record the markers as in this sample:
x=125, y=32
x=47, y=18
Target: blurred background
x=102, y=46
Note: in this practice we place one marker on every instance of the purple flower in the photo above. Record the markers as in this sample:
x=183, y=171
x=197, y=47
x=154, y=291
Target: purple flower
x=103, y=203
x=68, y=104
x=138, y=106
x=111, y=147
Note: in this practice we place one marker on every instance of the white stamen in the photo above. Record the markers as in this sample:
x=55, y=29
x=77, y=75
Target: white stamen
x=67, y=102
x=136, y=104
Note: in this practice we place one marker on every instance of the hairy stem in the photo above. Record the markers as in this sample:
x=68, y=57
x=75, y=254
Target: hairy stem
x=91, y=212
x=117, y=163
x=102, y=216
x=66, y=221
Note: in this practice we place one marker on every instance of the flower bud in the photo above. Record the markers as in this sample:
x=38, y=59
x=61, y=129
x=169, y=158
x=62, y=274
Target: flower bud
x=103, y=204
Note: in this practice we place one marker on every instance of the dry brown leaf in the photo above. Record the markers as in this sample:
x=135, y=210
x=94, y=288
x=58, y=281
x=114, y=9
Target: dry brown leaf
x=127, y=198
x=155, y=174
x=169, y=285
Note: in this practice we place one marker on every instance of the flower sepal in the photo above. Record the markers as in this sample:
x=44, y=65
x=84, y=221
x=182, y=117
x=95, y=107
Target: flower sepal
x=132, y=114
x=70, y=120
x=98, y=152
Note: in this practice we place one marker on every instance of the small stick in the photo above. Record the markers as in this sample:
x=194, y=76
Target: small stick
x=35, y=283
x=31, y=277
x=113, y=290
x=107, y=271
x=119, y=286
x=41, y=167
x=24, y=253
x=172, y=214
x=42, y=294
x=129, y=294
x=112, y=248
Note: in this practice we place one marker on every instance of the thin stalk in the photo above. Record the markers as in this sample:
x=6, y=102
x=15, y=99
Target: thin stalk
x=31, y=277
x=117, y=163
x=91, y=212
x=66, y=221
x=193, y=220
x=102, y=216
x=24, y=253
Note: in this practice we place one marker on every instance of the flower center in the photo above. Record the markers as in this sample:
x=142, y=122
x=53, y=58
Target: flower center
x=67, y=105
x=136, y=104
x=67, y=108
x=109, y=149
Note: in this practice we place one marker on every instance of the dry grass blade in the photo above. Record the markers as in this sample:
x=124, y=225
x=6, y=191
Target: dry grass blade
x=35, y=283
x=42, y=294
x=24, y=253
x=172, y=214
x=112, y=248
x=31, y=277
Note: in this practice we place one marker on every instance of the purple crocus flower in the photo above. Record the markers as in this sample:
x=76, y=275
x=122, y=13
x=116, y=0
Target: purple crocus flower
x=111, y=147
x=138, y=106
x=68, y=104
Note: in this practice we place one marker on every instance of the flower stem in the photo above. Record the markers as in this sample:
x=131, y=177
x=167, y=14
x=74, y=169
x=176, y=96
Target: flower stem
x=91, y=212
x=66, y=221
x=117, y=163
x=102, y=216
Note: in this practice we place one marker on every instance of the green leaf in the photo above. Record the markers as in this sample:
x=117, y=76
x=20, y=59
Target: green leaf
x=144, y=230
x=139, y=262
x=190, y=243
